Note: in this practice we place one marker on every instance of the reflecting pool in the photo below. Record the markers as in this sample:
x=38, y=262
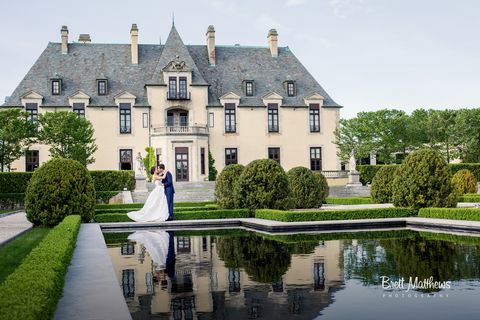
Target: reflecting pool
x=238, y=274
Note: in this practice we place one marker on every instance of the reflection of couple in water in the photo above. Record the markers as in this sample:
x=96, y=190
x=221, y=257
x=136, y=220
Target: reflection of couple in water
x=159, y=245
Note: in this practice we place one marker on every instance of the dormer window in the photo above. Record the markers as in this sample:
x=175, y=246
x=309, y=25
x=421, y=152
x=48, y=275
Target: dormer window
x=249, y=88
x=291, y=89
x=56, y=87
x=102, y=87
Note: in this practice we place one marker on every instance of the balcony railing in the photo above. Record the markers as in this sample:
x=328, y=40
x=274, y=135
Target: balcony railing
x=335, y=174
x=180, y=130
x=181, y=95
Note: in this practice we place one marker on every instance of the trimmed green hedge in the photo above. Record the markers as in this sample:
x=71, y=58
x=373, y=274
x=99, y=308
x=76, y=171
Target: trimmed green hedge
x=350, y=200
x=469, y=197
x=14, y=182
x=472, y=214
x=104, y=180
x=289, y=216
x=113, y=180
x=34, y=288
x=104, y=196
x=140, y=205
x=367, y=172
x=12, y=200
x=187, y=215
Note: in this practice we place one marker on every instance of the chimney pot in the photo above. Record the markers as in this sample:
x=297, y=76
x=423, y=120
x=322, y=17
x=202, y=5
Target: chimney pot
x=134, y=43
x=64, y=34
x=273, y=42
x=211, y=45
x=84, y=38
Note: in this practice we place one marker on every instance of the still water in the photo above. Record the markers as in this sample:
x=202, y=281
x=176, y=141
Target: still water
x=237, y=274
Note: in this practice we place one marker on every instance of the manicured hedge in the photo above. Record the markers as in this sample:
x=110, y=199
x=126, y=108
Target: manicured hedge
x=177, y=209
x=12, y=200
x=350, y=200
x=113, y=180
x=139, y=205
x=469, y=197
x=104, y=196
x=104, y=180
x=367, y=172
x=472, y=214
x=34, y=288
x=188, y=215
x=14, y=182
x=288, y=216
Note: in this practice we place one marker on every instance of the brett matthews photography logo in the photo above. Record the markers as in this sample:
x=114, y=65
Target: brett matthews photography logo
x=416, y=286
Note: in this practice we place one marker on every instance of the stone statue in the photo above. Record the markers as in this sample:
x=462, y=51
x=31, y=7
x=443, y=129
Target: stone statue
x=352, y=164
x=139, y=167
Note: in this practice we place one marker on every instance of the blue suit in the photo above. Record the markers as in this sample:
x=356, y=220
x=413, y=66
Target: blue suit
x=169, y=191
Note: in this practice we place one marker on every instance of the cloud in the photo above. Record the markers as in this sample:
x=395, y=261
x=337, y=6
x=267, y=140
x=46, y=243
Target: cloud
x=294, y=3
x=343, y=8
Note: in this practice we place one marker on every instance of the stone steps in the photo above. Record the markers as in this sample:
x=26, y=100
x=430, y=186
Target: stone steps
x=184, y=192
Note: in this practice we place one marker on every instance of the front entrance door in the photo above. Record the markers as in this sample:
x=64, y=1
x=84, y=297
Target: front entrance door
x=181, y=163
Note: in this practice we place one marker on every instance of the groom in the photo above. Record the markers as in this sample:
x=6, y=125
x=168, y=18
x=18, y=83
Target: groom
x=169, y=190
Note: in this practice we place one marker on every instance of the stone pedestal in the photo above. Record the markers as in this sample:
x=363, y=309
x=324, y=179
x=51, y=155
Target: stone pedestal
x=354, y=179
x=140, y=184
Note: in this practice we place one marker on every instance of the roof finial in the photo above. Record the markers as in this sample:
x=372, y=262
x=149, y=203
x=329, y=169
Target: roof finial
x=173, y=19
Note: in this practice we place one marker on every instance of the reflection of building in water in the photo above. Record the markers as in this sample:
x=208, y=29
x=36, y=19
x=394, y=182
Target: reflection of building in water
x=204, y=288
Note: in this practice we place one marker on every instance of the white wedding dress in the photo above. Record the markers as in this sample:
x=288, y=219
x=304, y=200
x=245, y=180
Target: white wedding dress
x=155, y=208
x=156, y=243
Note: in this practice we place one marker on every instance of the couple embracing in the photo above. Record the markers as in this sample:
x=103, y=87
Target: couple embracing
x=159, y=204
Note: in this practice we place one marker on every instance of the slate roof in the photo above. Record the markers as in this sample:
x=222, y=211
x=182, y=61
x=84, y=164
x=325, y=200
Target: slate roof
x=87, y=62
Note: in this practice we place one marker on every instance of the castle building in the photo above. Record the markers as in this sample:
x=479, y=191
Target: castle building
x=241, y=103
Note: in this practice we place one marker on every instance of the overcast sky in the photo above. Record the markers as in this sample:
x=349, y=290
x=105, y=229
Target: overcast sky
x=367, y=54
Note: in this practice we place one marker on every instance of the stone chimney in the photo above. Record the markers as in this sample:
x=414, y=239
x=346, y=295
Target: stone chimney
x=84, y=38
x=273, y=42
x=134, y=43
x=211, y=45
x=64, y=32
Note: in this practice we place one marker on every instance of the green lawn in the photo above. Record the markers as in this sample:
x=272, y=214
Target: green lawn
x=12, y=254
x=5, y=211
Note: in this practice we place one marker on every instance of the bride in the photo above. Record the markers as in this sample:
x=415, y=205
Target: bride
x=155, y=208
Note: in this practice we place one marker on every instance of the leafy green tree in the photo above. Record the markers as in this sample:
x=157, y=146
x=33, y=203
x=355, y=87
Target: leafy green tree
x=467, y=128
x=16, y=135
x=352, y=135
x=387, y=132
x=149, y=161
x=68, y=135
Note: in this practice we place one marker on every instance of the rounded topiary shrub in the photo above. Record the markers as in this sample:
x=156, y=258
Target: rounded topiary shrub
x=382, y=184
x=225, y=184
x=306, y=190
x=423, y=180
x=263, y=185
x=323, y=187
x=59, y=188
x=464, y=182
